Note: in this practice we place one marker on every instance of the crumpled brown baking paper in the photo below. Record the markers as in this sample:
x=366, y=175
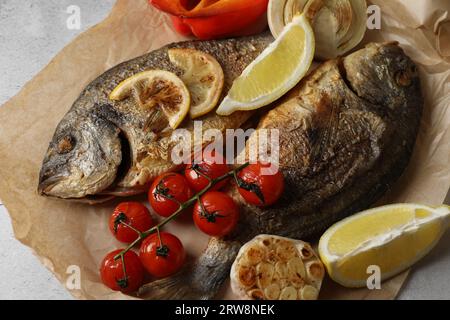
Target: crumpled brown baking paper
x=63, y=234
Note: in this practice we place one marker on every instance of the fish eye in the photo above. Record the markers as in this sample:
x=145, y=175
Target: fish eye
x=404, y=77
x=66, y=144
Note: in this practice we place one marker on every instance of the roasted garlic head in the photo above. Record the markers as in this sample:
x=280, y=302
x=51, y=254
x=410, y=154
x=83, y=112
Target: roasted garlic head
x=276, y=268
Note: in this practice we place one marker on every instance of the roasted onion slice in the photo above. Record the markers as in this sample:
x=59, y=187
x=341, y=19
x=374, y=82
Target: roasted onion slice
x=339, y=25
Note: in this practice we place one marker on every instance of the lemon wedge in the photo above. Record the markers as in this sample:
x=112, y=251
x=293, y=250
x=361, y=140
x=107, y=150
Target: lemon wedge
x=203, y=76
x=392, y=238
x=277, y=70
x=156, y=88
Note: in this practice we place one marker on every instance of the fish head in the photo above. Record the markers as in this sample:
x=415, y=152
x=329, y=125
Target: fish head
x=83, y=158
x=383, y=75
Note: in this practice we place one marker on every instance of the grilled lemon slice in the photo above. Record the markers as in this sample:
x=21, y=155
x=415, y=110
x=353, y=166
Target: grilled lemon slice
x=391, y=237
x=277, y=70
x=157, y=88
x=203, y=76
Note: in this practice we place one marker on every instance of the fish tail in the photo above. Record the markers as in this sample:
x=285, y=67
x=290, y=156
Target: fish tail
x=198, y=281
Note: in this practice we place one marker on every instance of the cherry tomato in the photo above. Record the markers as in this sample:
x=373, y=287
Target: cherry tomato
x=166, y=191
x=162, y=258
x=258, y=188
x=212, y=166
x=134, y=214
x=111, y=272
x=217, y=215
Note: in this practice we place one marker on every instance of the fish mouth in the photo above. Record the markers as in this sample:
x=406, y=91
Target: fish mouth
x=46, y=184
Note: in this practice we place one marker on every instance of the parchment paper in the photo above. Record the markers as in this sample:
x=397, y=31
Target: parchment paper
x=63, y=234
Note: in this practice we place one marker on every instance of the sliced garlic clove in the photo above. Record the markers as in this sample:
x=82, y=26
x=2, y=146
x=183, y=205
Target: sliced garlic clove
x=308, y=293
x=272, y=257
x=286, y=250
x=255, y=254
x=296, y=267
x=297, y=272
x=284, y=283
x=264, y=272
x=247, y=276
x=267, y=242
x=256, y=294
x=306, y=252
x=288, y=293
x=297, y=282
x=281, y=270
x=315, y=271
x=272, y=292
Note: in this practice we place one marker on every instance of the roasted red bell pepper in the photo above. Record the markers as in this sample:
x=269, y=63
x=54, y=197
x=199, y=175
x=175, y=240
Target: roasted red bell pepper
x=209, y=19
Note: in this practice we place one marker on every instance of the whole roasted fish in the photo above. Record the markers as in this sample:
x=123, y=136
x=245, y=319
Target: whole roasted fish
x=346, y=134
x=105, y=148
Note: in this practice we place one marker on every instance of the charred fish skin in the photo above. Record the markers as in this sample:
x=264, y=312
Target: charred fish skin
x=353, y=143
x=342, y=145
x=103, y=147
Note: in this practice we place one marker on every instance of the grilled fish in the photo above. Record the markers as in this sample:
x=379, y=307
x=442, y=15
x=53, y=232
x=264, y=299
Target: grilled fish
x=347, y=132
x=102, y=148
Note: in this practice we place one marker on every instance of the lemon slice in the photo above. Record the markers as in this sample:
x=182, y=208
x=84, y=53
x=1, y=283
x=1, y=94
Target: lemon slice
x=277, y=70
x=203, y=76
x=157, y=88
x=392, y=238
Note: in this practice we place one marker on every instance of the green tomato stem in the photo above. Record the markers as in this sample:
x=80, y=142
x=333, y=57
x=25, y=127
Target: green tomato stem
x=183, y=206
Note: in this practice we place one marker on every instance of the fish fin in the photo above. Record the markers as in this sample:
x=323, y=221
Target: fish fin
x=198, y=281
x=172, y=288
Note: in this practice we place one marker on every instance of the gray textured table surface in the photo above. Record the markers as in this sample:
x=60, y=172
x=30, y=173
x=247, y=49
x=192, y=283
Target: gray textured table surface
x=31, y=33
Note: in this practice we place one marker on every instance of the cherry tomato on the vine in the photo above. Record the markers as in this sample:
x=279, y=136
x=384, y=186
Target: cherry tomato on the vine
x=111, y=272
x=217, y=214
x=167, y=193
x=212, y=166
x=258, y=187
x=162, y=257
x=127, y=214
